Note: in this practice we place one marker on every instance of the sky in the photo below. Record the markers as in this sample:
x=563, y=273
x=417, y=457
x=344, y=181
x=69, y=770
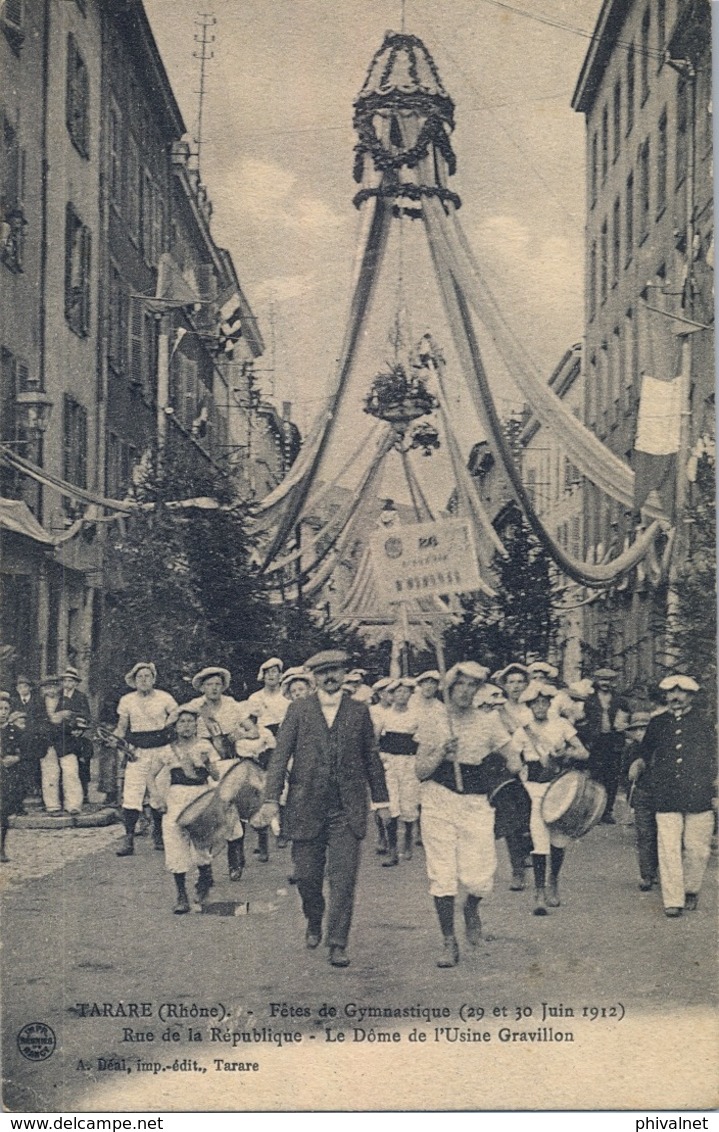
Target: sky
x=277, y=152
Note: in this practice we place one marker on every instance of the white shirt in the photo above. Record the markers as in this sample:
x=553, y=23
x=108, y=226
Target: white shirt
x=140, y=712
x=226, y=714
x=272, y=706
x=330, y=704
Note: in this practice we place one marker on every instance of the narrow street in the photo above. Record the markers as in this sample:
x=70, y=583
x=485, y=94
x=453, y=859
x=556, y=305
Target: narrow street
x=98, y=930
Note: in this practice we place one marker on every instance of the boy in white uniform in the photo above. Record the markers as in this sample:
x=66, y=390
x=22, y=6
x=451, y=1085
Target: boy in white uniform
x=143, y=716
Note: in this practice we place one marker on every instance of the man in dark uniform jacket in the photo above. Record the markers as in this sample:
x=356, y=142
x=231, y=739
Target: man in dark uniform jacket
x=27, y=702
x=679, y=752
x=606, y=714
x=74, y=706
x=331, y=739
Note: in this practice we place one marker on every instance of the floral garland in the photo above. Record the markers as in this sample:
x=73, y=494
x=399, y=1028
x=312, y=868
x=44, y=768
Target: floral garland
x=432, y=132
x=414, y=192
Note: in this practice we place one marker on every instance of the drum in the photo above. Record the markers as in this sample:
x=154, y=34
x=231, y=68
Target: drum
x=573, y=803
x=205, y=819
x=508, y=796
x=242, y=786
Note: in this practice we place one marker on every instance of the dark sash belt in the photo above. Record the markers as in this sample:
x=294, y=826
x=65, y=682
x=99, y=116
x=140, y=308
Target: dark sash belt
x=397, y=743
x=474, y=777
x=146, y=740
x=179, y=778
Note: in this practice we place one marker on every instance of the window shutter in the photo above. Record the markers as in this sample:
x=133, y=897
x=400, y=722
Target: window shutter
x=137, y=375
x=85, y=266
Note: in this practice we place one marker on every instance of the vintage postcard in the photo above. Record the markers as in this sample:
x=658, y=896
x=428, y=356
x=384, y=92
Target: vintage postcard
x=357, y=556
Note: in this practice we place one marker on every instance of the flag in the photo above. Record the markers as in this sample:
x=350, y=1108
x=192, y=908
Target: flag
x=180, y=333
x=657, y=441
x=229, y=325
x=172, y=289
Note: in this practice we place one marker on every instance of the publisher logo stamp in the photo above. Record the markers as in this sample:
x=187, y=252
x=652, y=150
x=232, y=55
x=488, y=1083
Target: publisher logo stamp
x=36, y=1041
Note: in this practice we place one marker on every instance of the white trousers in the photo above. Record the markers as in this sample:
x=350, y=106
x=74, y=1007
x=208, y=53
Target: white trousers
x=684, y=844
x=458, y=838
x=139, y=780
x=538, y=828
x=180, y=852
x=402, y=786
x=54, y=770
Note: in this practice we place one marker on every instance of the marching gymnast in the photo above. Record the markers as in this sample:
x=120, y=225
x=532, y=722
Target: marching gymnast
x=190, y=762
x=544, y=743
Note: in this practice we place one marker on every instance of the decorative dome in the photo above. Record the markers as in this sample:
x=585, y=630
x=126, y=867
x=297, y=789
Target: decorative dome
x=403, y=64
x=401, y=113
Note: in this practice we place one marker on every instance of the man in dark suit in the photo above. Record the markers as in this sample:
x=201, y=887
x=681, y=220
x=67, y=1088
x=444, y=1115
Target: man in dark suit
x=606, y=717
x=330, y=738
x=29, y=704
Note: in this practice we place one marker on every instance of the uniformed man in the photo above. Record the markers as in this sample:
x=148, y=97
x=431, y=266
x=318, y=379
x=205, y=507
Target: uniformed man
x=679, y=752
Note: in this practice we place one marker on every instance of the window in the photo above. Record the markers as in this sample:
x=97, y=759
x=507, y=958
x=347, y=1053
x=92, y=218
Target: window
x=682, y=131
x=594, y=167
x=644, y=60
x=574, y=545
x=160, y=225
x=121, y=459
x=590, y=393
x=629, y=220
x=531, y=483
x=133, y=188
x=12, y=18
x=617, y=135
x=662, y=156
x=114, y=135
x=661, y=30
x=148, y=218
x=74, y=431
x=77, y=273
x=150, y=338
x=592, y=281
x=603, y=390
x=118, y=314
x=616, y=240
x=604, y=262
x=137, y=344
x=12, y=216
x=630, y=87
x=186, y=392
x=77, y=117
x=630, y=358
x=644, y=190
x=615, y=371
x=605, y=142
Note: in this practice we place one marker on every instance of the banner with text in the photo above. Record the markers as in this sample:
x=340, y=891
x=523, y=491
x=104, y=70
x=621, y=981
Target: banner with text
x=425, y=558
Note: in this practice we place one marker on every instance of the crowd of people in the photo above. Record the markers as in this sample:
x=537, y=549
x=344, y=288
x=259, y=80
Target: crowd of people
x=451, y=764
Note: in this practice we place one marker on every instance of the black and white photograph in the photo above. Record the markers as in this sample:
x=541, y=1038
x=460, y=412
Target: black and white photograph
x=358, y=645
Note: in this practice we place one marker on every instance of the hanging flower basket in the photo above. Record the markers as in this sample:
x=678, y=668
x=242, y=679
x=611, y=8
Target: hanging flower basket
x=397, y=397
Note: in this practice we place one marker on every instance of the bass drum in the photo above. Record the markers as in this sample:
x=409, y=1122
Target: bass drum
x=205, y=819
x=507, y=795
x=573, y=804
x=242, y=786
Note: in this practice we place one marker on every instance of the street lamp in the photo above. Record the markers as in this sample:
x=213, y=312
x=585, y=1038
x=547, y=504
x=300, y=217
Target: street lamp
x=33, y=408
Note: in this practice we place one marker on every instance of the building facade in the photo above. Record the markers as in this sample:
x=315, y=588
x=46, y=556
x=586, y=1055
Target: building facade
x=556, y=489
x=123, y=327
x=645, y=91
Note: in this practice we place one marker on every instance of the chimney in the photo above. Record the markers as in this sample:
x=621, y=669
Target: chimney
x=286, y=410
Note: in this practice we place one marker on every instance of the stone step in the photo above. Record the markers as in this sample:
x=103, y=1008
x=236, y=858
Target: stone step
x=88, y=819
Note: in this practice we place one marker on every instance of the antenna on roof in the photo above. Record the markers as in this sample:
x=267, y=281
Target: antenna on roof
x=204, y=38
